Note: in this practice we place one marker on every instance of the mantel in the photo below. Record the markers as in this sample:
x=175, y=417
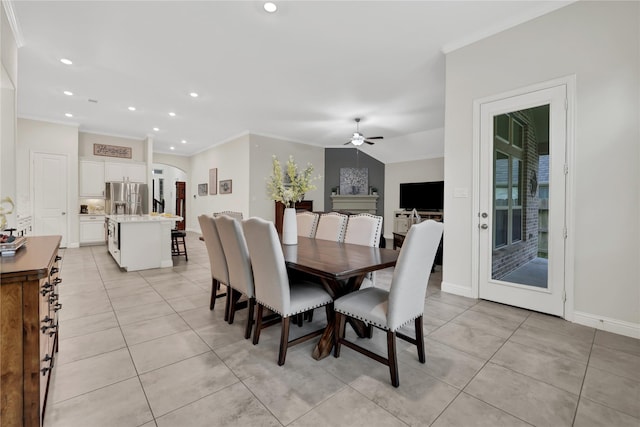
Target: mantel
x=358, y=203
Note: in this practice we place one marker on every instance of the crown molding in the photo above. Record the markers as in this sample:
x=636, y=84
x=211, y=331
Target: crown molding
x=13, y=22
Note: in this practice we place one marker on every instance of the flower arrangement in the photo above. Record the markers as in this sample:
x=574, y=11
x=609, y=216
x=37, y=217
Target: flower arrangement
x=5, y=211
x=291, y=187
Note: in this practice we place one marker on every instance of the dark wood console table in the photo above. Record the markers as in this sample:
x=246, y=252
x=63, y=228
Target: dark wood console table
x=305, y=205
x=398, y=240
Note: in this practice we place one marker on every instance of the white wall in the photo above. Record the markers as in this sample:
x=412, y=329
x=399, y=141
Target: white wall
x=232, y=161
x=181, y=162
x=8, y=82
x=45, y=137
x=397, y=173
x=262, y=150
x=599, y=43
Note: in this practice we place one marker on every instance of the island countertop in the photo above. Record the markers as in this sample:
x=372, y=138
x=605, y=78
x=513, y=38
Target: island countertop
x=142, y=218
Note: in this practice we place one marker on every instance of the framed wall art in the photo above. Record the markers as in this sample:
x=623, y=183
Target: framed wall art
x=213, y=181
x=225, y=186
x=202, y=189
x=354, y=181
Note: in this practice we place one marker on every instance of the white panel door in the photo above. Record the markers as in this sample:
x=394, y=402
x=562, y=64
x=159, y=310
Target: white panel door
x=522, y=213
x=50, y=195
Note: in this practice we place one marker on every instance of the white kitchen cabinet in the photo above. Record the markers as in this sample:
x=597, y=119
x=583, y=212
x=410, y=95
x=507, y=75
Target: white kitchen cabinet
x=91, y=229
x=115, y=171
x=91, y=179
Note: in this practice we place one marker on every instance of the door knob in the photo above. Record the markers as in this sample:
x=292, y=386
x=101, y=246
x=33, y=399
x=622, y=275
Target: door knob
x=484, y=226
x=484, y=215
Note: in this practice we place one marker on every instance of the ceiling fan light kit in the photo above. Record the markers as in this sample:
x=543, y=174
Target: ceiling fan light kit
x=358, y=139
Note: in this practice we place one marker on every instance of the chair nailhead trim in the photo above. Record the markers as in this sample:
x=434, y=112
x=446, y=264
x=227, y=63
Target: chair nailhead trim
x=386, y=328
x=294, y=313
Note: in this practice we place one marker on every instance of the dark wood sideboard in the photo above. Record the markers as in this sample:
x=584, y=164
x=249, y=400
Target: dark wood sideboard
x=28, y=329
x=305, y=205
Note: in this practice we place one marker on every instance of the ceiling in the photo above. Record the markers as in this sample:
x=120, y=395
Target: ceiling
x=302, y=74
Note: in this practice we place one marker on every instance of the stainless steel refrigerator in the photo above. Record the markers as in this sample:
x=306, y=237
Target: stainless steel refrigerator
x=126, y=198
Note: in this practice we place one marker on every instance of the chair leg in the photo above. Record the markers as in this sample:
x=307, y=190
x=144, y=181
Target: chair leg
x=284, y=340
x=227, y=305
x=251, y=304
x=215, y=285
x=234, y=301
x=184, y=244
x=393, y=361
x=420, y=340
x=256, y=332
x=338, y=334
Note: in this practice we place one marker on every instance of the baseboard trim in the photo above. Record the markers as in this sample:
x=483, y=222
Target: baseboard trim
x=452, y=288
x=607, y=324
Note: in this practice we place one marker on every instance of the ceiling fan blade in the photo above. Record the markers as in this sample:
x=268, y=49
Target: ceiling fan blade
x=347, y=143
x=376, y=137
x=368, y=142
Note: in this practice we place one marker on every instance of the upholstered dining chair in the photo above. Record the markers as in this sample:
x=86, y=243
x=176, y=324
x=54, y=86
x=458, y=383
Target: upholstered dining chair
x=307, y=223
x=232, y=214
x=273, y=287
x=364, y=229
x=331, y=226
x=404, y=302
x=217, y=260
x=239, y=265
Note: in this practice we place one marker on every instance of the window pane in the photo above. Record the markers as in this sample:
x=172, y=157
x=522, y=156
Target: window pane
x=500, y=229
x=518, y=135
x=516, y=230
x=501, y=126
x=516, y=182
x=501, y=184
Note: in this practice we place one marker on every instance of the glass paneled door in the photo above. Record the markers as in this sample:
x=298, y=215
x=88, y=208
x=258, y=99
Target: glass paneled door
x=522, y=193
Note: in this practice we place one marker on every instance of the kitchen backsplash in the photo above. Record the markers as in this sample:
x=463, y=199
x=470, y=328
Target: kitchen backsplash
x=94, y=206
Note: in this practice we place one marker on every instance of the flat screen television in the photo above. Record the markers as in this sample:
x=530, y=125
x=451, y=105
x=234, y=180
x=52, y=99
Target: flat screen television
x=422, y=196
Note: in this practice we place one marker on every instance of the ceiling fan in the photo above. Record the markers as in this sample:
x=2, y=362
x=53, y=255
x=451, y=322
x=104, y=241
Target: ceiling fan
x=357, y=138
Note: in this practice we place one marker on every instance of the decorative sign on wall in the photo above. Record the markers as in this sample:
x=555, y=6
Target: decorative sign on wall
x=111, y=151
x=354, y=181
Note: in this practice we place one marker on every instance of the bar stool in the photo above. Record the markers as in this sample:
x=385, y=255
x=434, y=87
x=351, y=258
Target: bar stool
x=177, y=239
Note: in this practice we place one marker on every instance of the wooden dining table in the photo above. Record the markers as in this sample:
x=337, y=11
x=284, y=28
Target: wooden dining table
x=341, y=268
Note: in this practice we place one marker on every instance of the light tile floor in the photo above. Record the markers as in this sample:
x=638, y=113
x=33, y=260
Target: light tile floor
x=143, y=349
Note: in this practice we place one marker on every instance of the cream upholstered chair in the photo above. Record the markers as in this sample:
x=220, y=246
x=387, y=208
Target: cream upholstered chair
x=364, y=229
x=390, y=310
x=331, y=226
x=307, y=223
x=239, y=265
x=232, y=214
x=217, y=261
x=273, y=287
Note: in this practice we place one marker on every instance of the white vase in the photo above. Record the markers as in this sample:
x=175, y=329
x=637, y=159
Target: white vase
x=290, y=227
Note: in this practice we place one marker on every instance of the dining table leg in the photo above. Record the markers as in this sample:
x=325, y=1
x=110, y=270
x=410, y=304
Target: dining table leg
x=337, y=289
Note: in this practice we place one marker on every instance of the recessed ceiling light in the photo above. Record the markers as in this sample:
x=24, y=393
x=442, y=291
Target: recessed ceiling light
x=66, y=61
x=156, y=129
x=68, y=93
x=270, y=7
x=172, y=114
x=68, y=114
x=184, y=141
x=172, y=148
x=132, y=108
x=193, y=94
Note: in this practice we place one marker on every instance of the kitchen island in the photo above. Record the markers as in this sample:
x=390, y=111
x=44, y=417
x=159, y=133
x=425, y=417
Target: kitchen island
x=141, y=242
